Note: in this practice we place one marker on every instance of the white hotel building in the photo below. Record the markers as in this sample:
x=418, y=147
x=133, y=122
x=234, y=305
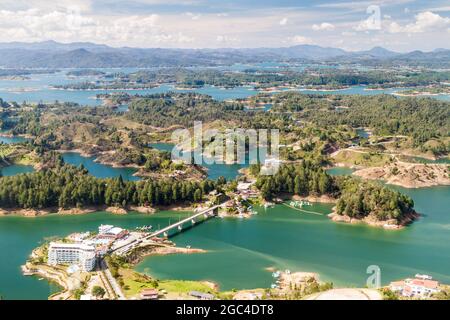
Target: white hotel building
x=72, y=253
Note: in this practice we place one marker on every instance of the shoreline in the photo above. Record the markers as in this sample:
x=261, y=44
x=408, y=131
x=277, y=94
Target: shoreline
x=141, y=253
x=391, y=224
x=34, y=213
x=139, y=169
x=68, y=283
x=408, y=175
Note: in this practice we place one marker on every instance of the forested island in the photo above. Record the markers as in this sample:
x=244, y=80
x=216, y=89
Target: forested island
x=355, y=199
x=63, y=186
x=310, y=78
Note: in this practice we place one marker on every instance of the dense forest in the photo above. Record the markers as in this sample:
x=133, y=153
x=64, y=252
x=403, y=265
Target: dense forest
x=329, y=77
x=359, y=199
x=356, y=198
x=305, y=178
x=164, y=110
x=66, y=186
x=422, y=119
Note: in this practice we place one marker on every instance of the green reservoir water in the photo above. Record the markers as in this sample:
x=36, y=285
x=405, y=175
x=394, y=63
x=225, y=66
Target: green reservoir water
x=14, y=139
x=39, y=88
x=215, y=170
x=16, y=169
x=97, y=169
x=20, y=235
x=340, y=171
x=239, y=250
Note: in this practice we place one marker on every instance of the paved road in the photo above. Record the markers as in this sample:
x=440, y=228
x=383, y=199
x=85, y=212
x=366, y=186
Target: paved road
x=116, y=287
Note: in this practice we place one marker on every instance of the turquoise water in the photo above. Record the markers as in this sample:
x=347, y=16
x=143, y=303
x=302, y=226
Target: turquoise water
x=97, y=169
x=280, y=237
x=240, y=250
x=215, y=170
x=362, y=133
x=39, y=88
x=20, y=235
x=162, y=146
x=339, y=171
x=11, y=140
x=16, y=169
x=266, y=107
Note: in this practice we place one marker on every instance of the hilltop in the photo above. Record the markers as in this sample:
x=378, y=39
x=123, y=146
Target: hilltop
x=51, y=54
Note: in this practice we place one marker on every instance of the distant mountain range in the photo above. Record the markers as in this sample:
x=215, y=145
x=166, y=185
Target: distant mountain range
x=51, y=54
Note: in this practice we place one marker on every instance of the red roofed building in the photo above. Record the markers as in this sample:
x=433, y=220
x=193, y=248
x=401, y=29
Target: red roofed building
x=149, y=294
x=415, y=287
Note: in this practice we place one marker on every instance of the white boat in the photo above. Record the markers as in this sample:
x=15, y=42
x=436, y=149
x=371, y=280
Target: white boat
x=424, y=277
x=268, y=205
x=276, y=274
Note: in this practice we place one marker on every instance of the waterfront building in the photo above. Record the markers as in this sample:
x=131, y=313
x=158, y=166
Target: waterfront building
x=149, y=294
x=417, y=287
x=111, y=232
x=72, y=253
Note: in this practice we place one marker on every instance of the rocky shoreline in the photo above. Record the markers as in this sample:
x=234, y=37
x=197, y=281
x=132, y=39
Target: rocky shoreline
x=408, y=175
x=391, y=224
x=78, y=211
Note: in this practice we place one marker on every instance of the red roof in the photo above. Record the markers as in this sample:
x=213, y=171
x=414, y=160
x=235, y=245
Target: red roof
x=400, y=283
x=431, y=284
x=146, y=292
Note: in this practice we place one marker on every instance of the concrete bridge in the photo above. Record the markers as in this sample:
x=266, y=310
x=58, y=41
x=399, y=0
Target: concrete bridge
x=206, y=214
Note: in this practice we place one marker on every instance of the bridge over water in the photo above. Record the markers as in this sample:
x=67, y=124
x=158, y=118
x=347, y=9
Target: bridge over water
x=206, y=214
x=178, y=226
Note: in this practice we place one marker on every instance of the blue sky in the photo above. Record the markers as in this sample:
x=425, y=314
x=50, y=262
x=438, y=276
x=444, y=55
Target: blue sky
x=401, y=25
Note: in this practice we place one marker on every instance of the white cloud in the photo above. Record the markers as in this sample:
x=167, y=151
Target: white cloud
x=23, y=5
x=440, y=9
x=193, y=16
x=227, y=40
x=424, y=22
x=323, y=26
x=300, y=40
x=283, y=21
x=362, y=5
x=367, y=25
x=67, y=26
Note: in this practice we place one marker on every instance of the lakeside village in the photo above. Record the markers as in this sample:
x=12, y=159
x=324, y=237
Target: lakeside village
x=84, y=265
x=99, y=265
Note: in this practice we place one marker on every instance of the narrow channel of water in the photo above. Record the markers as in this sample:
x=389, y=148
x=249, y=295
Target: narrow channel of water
x=16, y=169
x=215, y=170
x=97, y=169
